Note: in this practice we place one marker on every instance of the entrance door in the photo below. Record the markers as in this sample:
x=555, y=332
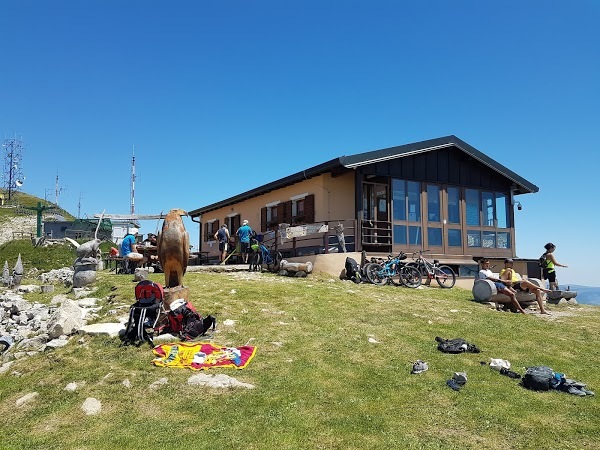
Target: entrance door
x=376, y=224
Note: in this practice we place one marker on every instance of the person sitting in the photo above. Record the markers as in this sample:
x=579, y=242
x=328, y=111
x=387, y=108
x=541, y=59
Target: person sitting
x=513, y=280
x=150, y=246
x=486, y=274
x=130, y=252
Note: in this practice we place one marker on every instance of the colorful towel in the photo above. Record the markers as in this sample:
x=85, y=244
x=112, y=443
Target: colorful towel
x=202, y=355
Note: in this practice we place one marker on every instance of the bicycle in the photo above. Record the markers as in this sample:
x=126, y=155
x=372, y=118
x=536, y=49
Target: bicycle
x=393, y=270
x=444, y=275
x=263, y=255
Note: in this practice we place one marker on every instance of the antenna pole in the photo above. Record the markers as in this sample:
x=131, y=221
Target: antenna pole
x=133, y=180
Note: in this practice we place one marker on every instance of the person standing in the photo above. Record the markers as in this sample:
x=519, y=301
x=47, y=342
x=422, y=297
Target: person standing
x=244, y=232
x=549, y=269
x=222, y=236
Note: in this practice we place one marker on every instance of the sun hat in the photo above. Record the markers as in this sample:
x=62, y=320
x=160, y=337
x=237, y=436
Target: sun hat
x=245, y=222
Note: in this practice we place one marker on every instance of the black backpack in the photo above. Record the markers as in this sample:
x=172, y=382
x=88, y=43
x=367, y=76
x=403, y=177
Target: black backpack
x=144, y=314
x=352, y=270
x=543, y=262
x=457, y=345
x=538, y=378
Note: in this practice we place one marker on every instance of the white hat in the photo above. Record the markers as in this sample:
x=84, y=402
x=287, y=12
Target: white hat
x=245, y=222
x=133, y=231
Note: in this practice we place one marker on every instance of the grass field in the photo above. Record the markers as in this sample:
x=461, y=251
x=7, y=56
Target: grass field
x=332, y=370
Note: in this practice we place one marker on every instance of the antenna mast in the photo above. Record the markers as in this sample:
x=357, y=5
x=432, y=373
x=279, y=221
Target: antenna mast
x=13, y=175
x=133, y=179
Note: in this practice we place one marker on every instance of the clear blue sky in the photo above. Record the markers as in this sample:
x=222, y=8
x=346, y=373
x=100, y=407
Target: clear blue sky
x=219, y=97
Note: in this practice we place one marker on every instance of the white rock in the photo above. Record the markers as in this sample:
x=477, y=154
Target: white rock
x=27, y=398
x=91, y=406
x=217, y=381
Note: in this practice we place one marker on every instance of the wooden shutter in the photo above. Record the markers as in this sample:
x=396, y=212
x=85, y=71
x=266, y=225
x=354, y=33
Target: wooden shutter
x=263, y=219
x=309, y=208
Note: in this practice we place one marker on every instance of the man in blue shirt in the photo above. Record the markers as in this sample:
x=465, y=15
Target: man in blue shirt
x=129, y=251
x=244, y=232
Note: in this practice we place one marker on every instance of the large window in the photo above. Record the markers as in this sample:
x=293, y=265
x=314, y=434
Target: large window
x=453, y=205
x=433, y=203
x=472, y=203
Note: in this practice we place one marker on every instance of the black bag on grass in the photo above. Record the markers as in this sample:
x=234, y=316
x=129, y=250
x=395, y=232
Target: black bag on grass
x=352, y=270
x=457, y=345
x=538, y=378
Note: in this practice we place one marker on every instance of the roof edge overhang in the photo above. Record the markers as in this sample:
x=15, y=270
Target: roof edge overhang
x=519, y=184
x=314, y=171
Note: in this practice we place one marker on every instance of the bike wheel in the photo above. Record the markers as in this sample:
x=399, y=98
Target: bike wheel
x=256, y=263
x=396, y=278
x=410, y=277
x=445, y=276
x=363, y=271
x=375, y=275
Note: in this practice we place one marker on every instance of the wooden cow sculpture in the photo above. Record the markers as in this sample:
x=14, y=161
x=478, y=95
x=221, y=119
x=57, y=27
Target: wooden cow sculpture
x=173, y=248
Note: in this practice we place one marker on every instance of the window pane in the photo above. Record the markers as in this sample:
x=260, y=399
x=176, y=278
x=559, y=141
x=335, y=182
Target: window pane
x=503, y=240
x=400, y=234
x=454, y=238
x=399, y=199
x=433, y=203
x=434, y=236
x=489, y=239
x=501, y=210
x=414, y=235
x=473, y=238
x=453, y=205
x=487, y=206
x=414, y=201
x=472, y=201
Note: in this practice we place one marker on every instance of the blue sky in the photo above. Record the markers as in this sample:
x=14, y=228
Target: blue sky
x=257, y=90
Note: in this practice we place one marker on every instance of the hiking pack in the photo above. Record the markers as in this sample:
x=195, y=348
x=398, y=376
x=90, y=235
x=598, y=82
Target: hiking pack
x=144, y=314
x=456, y=345
x=352, y=270
x=543, y=262
x=538, y=378
x=184, y=321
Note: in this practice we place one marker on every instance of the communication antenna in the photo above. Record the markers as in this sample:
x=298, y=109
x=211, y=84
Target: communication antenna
x=79, y=205
x=13, y=173
x=57, y=190
x=133, y=179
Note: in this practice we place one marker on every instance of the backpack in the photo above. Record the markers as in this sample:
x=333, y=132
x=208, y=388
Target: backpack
x=457, y=345
x=144, y=314
x=352, y=270
x=543, y=262
x=185, y=322
x=538, y=378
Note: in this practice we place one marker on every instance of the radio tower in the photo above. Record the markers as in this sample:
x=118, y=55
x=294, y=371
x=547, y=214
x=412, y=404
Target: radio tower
x=133, y=180
x=13, y=175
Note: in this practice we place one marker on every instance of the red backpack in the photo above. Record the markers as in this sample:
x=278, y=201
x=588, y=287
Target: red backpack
x=147, y=291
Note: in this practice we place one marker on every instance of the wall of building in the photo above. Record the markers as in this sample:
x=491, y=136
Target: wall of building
x=334, y=200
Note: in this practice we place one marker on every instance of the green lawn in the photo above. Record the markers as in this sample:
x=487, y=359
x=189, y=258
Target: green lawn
x=319, y=381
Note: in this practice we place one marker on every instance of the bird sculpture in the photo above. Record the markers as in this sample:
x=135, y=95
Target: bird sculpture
x=173, y=248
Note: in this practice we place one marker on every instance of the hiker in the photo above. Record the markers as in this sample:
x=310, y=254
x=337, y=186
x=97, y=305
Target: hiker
x=222, y=236
x=486, y=274
x=129, y=251
x=549, y=270
x=244, y=232
x=513, y=281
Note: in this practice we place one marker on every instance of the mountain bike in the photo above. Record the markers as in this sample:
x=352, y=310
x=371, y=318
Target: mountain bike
x=429, y=270
x=394, y=271
x=263, y=255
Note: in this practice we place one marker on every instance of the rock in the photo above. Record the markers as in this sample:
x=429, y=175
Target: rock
x=47, y=288
x=65, y=320
x=56, y=343
x=216, y=381
x=159, y=383
x=111, y=329
x=27, y=398
x=91, y=406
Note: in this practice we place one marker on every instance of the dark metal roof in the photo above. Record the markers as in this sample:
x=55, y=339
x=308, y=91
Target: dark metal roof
x=344, y=163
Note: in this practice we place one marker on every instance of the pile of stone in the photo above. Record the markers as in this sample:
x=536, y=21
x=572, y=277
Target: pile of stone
x=27, y=327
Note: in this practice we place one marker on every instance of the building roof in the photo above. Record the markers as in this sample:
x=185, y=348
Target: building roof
x=345, y=163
